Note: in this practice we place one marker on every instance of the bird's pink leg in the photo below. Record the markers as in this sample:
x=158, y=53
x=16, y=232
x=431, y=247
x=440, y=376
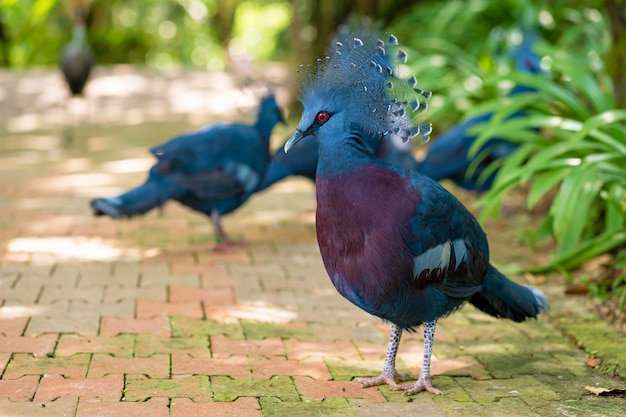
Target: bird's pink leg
x=423, y=383
x=223, y=241
x=389, y=375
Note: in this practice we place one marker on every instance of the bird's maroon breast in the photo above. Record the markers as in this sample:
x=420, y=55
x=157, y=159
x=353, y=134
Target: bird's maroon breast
x=361, y=221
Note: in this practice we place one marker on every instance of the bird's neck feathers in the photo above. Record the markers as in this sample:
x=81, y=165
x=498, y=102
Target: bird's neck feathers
x=346, y=152
x=80, y=33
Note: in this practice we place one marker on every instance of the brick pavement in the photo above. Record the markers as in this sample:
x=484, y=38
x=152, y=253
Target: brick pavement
x=140, y=317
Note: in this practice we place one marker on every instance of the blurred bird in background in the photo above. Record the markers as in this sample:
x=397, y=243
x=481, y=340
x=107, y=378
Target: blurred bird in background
x=213, y=171
x=76, y=61
x=447, y=157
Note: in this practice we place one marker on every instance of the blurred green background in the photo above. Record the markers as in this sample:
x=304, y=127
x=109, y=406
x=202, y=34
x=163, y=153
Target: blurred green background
x=572, y=165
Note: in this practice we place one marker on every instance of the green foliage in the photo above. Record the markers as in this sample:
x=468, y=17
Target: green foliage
x=155, y=32
x=573, y=142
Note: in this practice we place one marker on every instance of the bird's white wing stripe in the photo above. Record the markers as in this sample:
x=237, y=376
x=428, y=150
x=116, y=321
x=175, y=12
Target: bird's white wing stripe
x=439, y=256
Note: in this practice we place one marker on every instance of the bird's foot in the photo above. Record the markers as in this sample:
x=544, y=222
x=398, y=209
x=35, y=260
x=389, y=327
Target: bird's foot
x=227, y=245
x=422, y=384
x=384, y=378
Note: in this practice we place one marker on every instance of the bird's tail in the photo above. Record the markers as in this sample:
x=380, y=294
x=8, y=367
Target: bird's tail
x=501, y=297
x=134, y=202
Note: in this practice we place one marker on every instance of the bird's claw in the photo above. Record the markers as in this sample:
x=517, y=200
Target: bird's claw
x=417, y=386
x=382, y=379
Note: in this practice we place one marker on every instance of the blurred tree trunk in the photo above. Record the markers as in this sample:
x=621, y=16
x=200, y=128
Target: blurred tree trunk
x=224, y=20
x=616, y=10
x=315, y=22
x=4, y=40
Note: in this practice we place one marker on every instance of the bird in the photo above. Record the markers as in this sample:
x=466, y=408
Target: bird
x=447, y=157
x=77, y=59
x=214, y=171
x=394, y=242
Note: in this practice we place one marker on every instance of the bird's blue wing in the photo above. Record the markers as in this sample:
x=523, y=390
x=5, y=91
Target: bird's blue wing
x=447, y=156
x=221, y=161
x=450, y=250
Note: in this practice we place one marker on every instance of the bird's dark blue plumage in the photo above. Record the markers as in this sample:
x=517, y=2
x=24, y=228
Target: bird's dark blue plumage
x=447, y=157
x=213, y=171
x=300, y=161
x=394, y=242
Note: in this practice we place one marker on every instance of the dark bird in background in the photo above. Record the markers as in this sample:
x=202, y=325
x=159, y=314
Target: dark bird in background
x=213, y=171
x=77, y=59
x=447, y=157
x=394, y=242
x=300, y=161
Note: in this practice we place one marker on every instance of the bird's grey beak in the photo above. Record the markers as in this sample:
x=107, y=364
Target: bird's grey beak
x=295, y=138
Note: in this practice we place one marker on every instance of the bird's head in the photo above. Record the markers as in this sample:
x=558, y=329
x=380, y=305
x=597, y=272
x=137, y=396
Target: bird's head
x=360, y=86
x=270, y=111
x=526, y=59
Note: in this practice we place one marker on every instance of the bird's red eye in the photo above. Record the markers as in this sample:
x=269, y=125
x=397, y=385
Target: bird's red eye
x=322, y=117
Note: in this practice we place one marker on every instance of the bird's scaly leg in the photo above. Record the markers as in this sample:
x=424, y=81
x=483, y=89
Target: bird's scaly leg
x=223, y=242
x=423, y=383
x=389, y=375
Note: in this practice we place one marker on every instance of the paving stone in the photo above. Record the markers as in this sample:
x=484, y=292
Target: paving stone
x=51, y=294
x=21, y=389
x=158, y=326
x=330, y=333
x=346, y=370
x=4, y=360
x=502, y=366
x=586, y=406
x=223, y=347
x=178, y=276
x=258, y=311
x=61, y=407
x=64, y=319
x=108, y=388
x=195, y=387
x=148, y=309
x=38, y=346
x=259, y=330
x=598, y=336
x=118, y=346
x=188, y=327
x=13, y=326
x=241, y=407
x=234, y=366
x=157, y=366
x=153, y=407
x=503, y=407
x=333, y=407
x=116, y=293
x=74, y=366
x=459, y=366
x=264, y=368
x=226, y=389
x=417, y=406
x=210, y=296
x=491, y=390
x=147, y=345
x=122, y=309
x=233, y=259
x=340, y=349
x=313, y=390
